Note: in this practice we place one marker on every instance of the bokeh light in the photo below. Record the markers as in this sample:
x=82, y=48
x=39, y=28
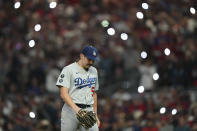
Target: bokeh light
x=140, y=15
x=111, y=31
x=155, y=76
x=32, y=115
x=37, y=27
x=174, y=111
x=105, y=23
x=162, y=110
x=53, y=4
x=145, y=6
x=192, y=10
x=17, y=4
x=167, y=51
x=124, y=36
x=144, y=55
x=31, y=43
x=140, y=89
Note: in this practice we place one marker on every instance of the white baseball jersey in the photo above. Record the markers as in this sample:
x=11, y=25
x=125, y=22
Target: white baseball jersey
x=80, y=83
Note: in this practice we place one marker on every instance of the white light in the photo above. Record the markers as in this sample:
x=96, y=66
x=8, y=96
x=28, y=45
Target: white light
x=37, y=27
x=141, y=89
x=124, y=36
x=155, y=76
x=162, y=110
x=52, y=4
x=17, y=5
x=192, y=10
x=31, y=43
x=105, y=23
x=167, y=51
x=143, y=54
x=32, y=114
x=140, y=15
x=111, y=31
x=145, y=6
x=174, y=111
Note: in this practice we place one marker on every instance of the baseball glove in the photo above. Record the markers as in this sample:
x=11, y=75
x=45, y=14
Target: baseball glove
x=86, y=118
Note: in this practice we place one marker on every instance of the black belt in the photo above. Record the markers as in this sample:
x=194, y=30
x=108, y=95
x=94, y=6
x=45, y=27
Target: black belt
x=83, y=106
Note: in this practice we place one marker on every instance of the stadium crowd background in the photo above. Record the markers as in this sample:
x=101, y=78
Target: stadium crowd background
x=29, y=99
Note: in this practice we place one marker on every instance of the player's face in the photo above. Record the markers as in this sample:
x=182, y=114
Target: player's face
x=87, y=62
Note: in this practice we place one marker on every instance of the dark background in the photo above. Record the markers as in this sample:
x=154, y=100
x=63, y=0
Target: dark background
x=28, y=75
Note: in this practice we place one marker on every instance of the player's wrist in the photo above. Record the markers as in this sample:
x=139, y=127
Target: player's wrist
x=77, y=109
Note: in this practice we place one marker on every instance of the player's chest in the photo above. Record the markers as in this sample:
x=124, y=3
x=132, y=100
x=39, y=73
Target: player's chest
x=81, y=79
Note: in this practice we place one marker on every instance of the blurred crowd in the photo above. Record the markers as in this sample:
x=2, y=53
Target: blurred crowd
x=166, y=110
x=28, y=75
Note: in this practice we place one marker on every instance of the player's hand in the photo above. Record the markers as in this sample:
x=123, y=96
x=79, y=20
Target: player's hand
x=77, y=109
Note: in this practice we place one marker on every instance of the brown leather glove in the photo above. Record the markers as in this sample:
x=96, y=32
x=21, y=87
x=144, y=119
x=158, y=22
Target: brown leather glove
x=86, y=118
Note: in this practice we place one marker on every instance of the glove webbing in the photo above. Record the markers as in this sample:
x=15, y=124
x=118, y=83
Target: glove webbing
x=86, y=118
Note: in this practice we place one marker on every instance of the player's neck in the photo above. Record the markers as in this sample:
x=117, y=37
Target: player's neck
x=81, y=65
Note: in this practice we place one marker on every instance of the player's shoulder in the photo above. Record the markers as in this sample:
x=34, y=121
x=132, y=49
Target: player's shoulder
x=93, y=69
x=70, y=66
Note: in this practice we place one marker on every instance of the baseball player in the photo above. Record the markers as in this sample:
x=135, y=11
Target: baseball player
x=78, y=83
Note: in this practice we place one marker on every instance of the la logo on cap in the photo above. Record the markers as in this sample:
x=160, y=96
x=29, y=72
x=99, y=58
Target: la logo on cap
x=94, y=53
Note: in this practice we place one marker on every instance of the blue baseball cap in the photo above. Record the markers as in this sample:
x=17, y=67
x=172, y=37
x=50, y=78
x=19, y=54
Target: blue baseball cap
x=90, y=52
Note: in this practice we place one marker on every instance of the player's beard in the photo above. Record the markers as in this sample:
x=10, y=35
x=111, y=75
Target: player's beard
x=87, y=67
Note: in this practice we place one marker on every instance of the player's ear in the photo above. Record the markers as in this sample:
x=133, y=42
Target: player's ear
x=81, y=56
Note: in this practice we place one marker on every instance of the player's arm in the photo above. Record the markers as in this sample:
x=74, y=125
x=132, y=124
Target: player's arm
x=63, y=83
x=65, y=96
x=95, y=102
x=95, y=107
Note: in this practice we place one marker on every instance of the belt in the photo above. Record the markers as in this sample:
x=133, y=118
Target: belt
x=83, y=106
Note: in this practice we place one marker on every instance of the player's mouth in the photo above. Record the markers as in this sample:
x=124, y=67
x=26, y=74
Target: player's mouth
x=89, y=65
